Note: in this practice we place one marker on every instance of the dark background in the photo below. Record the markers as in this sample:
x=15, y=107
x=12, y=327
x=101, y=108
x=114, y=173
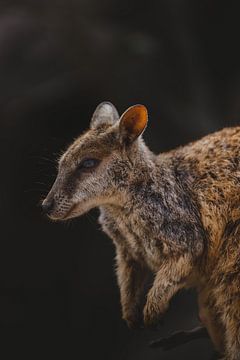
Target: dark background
x=58, y=60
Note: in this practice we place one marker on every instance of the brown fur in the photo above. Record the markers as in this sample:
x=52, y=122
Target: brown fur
x=176, y=214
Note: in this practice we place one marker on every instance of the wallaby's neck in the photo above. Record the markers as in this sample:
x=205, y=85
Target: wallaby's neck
x=142, y=159
x=147, y=174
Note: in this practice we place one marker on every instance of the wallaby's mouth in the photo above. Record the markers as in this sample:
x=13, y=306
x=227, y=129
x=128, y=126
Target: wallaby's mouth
x=61, y=216
x=62, y=213
x=69, y=212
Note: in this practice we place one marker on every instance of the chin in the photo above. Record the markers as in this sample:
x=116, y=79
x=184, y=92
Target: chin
x=75, y=211
x=73, y=214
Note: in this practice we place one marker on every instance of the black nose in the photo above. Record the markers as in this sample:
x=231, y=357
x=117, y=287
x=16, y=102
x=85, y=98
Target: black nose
x=47, y=206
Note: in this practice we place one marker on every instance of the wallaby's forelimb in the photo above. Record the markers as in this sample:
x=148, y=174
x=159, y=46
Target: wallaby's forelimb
x=180, y=338
x=169, y=279
x=132, y=278
x=131, y=275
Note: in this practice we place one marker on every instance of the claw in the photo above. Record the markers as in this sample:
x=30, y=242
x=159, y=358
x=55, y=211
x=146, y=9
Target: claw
x=157, y=326
x=215, y=356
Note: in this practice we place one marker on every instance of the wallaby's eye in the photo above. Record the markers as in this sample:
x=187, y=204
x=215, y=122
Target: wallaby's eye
x=88, y=164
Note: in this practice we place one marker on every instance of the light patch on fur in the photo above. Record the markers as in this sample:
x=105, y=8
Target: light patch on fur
x=105, y=114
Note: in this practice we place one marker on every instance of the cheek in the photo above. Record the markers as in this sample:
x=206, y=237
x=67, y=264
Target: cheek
x=82, y=186
x=71, y=186
x=88, y=184
x=93, y=185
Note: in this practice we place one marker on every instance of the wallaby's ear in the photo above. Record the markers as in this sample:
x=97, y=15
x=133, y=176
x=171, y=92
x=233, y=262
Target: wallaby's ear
x=132, y=123
x=105, y=113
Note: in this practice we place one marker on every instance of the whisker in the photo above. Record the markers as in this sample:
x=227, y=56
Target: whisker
x=35, y=190
x=43, y=158
x=91, y=219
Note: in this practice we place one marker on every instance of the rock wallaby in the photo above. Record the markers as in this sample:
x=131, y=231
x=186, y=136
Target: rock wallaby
x=176, y=214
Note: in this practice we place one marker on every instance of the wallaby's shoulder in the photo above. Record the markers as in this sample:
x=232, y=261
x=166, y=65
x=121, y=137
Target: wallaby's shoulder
x=218, y=152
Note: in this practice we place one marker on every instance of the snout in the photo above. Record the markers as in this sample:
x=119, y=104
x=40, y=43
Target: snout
x=57, y=206
x=47, y=206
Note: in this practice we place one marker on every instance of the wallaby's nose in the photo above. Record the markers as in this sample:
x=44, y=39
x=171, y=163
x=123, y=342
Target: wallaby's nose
x=47, y=206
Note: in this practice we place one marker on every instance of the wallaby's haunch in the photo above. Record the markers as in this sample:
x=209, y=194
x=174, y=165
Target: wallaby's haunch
x=177, y=214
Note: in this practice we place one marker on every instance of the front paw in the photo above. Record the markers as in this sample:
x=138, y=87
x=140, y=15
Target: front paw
x=133, y=318
x=153, y=313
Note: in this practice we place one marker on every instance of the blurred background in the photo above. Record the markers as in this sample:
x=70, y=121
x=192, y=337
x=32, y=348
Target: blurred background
x=58, y=60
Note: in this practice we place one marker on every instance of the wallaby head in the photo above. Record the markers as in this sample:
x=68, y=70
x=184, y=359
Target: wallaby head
x=98, y=163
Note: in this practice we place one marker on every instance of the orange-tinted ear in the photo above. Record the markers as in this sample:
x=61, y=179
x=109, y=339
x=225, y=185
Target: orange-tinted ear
x=132, y=123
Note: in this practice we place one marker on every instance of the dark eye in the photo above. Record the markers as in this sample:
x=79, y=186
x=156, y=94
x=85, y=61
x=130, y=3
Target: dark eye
x=88, y=163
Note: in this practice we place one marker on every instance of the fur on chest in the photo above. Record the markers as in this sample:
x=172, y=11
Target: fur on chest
x=154, y=225
x=132, y=232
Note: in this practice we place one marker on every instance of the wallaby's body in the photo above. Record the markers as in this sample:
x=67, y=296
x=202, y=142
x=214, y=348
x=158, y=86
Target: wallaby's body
x=176, y=214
